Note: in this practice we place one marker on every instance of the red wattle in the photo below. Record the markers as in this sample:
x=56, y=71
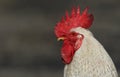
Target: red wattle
x=67, y=52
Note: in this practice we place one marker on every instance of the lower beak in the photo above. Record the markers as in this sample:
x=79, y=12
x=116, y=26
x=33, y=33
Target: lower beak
x=60, y=38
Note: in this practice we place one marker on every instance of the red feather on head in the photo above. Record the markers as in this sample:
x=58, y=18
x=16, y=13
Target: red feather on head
x=76, y=19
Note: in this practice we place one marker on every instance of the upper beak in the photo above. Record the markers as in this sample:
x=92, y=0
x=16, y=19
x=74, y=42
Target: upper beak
x=60, y=38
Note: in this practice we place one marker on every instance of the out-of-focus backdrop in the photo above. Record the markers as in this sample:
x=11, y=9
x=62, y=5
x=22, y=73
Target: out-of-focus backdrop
x=28, y=46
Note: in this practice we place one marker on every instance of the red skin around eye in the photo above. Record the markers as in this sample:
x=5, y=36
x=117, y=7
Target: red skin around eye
x=70, y=45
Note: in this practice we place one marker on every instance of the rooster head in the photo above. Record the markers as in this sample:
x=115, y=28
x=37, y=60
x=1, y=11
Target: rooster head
x=72, y=40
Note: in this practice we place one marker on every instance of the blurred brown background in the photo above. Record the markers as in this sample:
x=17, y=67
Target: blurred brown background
x=28, y=46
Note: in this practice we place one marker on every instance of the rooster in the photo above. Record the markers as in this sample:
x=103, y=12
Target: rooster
x=82, y=54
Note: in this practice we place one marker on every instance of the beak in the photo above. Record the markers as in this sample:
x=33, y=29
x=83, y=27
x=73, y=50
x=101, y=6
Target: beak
x=60, y=38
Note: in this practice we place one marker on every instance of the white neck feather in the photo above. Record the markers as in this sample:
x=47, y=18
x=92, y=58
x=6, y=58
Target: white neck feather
x=90, y=60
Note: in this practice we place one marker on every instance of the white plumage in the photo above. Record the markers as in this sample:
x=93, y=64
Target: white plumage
x=91, y=59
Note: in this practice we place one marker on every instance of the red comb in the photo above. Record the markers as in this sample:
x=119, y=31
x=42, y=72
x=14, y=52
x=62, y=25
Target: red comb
x=76, y=19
